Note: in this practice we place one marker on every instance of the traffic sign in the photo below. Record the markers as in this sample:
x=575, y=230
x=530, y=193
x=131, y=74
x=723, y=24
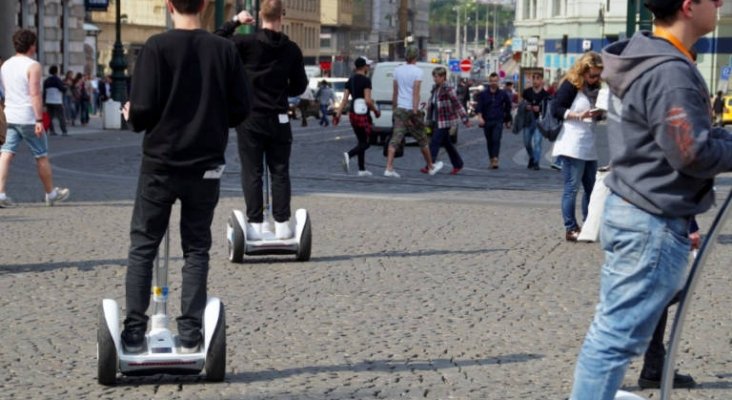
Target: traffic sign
x=726, y=72
x=466, y=65
x=454, y=65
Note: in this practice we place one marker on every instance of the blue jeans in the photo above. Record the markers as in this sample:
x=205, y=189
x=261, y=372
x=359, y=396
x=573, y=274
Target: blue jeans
x=493, y=130
x=532, y=143
x=324, y=114
x=441, y=138
x=575, y=171
x=645, y=265
x=18, y=133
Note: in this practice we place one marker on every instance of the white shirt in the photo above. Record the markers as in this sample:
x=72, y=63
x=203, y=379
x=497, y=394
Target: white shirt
x=405, y=75
x=577, y=138
x=18, y=106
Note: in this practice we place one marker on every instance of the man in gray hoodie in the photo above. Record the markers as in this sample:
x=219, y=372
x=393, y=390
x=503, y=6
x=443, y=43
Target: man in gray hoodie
x=665, y=155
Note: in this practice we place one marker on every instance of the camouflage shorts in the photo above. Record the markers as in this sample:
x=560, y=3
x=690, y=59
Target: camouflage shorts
x=408, y=122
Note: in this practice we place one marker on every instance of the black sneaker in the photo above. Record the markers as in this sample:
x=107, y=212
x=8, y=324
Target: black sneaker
x=133, y=341
x=681, y=381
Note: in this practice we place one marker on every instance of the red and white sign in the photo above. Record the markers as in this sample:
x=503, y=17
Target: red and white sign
x=466, y=65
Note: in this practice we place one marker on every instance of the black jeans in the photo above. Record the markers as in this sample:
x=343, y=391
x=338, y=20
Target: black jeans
x=360, y=148
x=56, y=111
x=155, y=197
x=256, y=137
x=493, y=130
x=441, y=138
x=655, y=355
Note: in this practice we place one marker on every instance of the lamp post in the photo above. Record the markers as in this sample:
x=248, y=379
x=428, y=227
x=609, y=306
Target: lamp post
x=457, y=32
x=118, y=63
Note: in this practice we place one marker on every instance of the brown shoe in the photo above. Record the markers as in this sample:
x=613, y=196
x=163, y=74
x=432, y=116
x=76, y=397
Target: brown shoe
x=494, y=162
x=572, y=234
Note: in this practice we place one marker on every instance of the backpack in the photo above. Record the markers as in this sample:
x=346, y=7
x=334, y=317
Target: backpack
x=548, y=124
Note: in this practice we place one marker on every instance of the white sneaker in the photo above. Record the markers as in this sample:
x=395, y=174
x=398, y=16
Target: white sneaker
x=282, y=230
x=436, y=167
x=254, y=231
x=61, y=195
x=392, y=173
x=346, y=163
x=364, y=173
x=7, y=202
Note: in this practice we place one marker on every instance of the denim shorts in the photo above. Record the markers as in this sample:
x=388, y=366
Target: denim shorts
x=18, y=133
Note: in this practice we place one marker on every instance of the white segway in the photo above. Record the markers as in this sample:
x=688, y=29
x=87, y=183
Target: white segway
x=162, y=352
x=239, y=243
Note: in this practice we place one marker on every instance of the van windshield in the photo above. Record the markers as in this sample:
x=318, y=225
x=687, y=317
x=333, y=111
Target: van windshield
x=338, y=86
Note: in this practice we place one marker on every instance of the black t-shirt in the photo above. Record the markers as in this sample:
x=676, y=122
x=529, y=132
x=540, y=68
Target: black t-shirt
x=357, y=84
x=534, y=98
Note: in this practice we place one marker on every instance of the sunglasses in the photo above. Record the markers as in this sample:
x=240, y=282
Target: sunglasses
x=594, y=76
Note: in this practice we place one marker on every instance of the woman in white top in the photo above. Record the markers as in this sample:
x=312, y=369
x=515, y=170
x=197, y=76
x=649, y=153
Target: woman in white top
x=575, y=146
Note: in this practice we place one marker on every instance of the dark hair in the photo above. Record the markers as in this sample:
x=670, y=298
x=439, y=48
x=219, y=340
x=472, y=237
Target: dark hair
x=664, y=10
x=537, y=75
x=23, y=40
x=493, y=75
x=509, y=83
x=187, y=6
x=53, y=70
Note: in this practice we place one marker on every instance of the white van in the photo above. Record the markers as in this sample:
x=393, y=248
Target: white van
x=382, y=88
x=337, y=84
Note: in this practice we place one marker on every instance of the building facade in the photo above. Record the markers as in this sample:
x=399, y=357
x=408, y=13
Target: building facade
x=59, y=24
x=552, y=33
x=302, y=25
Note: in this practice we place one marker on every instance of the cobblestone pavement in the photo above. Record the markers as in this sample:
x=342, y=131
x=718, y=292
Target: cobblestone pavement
x=428, y=287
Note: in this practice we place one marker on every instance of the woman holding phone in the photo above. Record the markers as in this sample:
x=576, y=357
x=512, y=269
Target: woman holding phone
x=575, y=145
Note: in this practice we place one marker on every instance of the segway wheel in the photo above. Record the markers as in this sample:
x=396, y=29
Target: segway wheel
x=303, y=251
x=106, y=352
x=216, y=354
x=235, y=240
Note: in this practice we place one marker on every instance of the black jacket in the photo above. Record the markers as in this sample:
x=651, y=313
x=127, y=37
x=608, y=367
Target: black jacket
x=187, y=90
x=274, y=68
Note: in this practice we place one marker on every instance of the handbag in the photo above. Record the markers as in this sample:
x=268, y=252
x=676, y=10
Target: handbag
x=548, y=124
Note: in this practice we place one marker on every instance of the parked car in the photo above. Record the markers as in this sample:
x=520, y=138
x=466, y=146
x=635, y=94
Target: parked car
x=727, y=113
x=311, y=108
x=382, y=84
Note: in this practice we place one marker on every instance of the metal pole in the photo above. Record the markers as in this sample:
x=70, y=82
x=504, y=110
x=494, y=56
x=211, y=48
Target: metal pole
x=465, y=34
x=630, y=20
x=477, y=24
x=495, y=25
x=118, y=63
x=219, y=13
x=458, y=53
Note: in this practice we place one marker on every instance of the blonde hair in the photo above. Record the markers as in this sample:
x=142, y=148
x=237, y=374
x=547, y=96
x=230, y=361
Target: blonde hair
x=271, y=10
x=575, y=75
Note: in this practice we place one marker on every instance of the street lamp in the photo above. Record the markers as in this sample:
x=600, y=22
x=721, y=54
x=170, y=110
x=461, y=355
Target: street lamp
x=118, y=63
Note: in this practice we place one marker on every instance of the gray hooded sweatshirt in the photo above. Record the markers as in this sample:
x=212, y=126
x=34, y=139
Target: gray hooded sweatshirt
x=664, y=151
